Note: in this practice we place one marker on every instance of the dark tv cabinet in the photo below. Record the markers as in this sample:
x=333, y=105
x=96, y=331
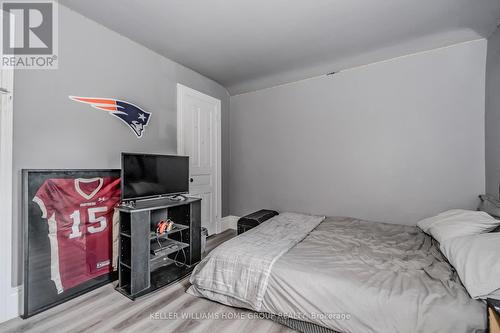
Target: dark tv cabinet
x=139, y=270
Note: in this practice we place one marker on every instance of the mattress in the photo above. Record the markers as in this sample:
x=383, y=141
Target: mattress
x=350, y=275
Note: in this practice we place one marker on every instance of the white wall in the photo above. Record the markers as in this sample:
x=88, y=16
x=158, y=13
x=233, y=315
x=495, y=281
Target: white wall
x=493, y=115
x=51, y=131
x=393, y=141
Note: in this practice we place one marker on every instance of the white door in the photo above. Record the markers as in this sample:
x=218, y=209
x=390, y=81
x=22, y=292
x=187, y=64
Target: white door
x=198, y=136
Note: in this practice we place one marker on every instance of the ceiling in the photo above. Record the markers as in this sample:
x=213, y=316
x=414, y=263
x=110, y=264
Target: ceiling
x=247, y=45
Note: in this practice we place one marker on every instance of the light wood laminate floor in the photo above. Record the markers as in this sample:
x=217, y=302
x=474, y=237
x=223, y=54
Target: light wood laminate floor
x=106, y=310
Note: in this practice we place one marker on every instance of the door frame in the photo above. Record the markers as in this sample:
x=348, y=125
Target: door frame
x=9, y=294
x=182, y=90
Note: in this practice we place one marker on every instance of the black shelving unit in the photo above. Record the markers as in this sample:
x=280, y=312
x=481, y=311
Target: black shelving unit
x=148, y=261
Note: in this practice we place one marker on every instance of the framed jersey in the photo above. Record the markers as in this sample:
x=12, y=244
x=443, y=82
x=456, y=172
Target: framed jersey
x=70, y=234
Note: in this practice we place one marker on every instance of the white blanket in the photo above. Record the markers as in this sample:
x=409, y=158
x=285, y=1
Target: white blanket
x=240, y=267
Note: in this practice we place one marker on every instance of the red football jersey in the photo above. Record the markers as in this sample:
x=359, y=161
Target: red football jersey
x=81, y=216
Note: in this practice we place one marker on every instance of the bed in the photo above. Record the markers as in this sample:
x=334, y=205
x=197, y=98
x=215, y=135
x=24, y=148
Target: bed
x=341, y=274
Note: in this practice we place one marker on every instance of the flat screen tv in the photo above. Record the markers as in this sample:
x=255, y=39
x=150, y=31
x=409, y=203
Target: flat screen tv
x=147, y=176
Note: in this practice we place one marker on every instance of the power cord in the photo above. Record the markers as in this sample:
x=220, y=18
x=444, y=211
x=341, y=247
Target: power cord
x=158, y=241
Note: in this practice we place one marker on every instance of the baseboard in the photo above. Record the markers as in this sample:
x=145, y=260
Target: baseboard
x=11, y=307
x=229, y=222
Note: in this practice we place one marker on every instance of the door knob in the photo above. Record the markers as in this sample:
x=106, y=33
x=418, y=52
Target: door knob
x=191, y=180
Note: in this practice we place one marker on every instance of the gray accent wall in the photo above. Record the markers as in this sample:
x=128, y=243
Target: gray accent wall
x=51, y=131
x=493, y=115
x=393, y=141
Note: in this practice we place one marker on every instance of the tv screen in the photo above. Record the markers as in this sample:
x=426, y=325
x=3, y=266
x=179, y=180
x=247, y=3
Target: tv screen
x=145, y=175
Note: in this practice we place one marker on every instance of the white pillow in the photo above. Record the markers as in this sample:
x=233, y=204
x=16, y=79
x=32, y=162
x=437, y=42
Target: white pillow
x=458, y=222
x=476, y=261
x=425, y=224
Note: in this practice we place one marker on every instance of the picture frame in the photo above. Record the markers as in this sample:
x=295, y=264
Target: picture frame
x=39, y=289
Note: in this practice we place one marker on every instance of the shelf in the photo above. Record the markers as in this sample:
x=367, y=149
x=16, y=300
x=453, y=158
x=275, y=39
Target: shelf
x=144, y=205
x=125, y=289
x=125, y=261
x=166, y=275
x=161, y=277
x=175, y=228
x=168, y=246
x=125, y=264
x=140, y=269
x=160, y=261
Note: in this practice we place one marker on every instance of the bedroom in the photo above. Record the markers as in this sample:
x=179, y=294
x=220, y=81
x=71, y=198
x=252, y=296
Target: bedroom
x=380, y=113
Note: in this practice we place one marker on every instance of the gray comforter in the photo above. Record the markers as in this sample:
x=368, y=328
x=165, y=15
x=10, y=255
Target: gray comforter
x=357, y=276
x=240, y=267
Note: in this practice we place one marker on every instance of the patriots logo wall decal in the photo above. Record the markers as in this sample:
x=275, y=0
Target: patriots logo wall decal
x=136, y=118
